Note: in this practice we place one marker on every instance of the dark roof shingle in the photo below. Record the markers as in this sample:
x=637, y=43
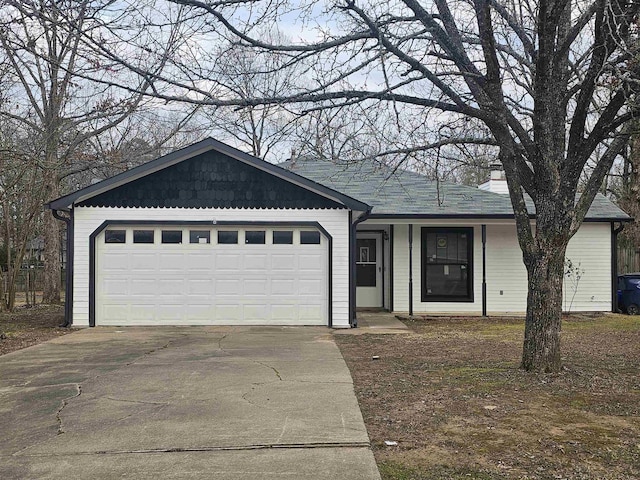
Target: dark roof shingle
x=408, y=193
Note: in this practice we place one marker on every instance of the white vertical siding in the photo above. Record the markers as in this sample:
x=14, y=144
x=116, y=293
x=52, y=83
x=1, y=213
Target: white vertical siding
x=88, y=219
x=506, y=274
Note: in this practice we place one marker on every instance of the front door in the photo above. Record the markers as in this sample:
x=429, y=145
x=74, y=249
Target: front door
x=369, y=270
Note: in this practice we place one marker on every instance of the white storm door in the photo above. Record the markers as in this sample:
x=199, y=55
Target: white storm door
x=369, y=270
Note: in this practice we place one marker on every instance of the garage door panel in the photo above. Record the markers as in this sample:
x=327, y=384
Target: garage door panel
x=287, y=313
x=115, y=262
x=255, y=312
x=171, y=262
x=283, y=286
x=199, y=262
x=228, y=262
x=311, y=263
x=169, y=284
x=143, y=262
x=171, y=287
x=228, y=313
x=115, y=286
x=257, y=286
x=170, y=313
x=310, y=287
x=140, y=286
x=228, y=286
x=284, y=263
x=116, y=311
x=310, y=313
x=202, y=313
x=143, y=312
x=196, y=286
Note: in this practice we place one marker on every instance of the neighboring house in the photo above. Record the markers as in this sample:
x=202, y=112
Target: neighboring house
x=35, y=251
x=211, y=235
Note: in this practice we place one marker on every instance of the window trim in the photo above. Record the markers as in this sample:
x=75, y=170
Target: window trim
x=426, y=298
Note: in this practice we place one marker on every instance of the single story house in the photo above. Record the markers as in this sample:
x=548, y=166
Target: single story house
x=211, y=235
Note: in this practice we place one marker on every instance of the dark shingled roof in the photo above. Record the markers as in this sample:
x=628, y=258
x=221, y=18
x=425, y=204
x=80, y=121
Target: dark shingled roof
x=408, y=193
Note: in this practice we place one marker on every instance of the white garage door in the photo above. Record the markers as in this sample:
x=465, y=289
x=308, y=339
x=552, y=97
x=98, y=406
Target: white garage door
x=207, y=276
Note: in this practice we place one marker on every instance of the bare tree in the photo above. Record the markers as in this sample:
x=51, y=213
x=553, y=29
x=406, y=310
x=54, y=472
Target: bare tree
x=52, y=100
x=261, y=129
x=552, y=82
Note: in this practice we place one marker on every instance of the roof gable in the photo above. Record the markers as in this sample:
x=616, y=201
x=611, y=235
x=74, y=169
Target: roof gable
x=209, y=174
x=210, y=180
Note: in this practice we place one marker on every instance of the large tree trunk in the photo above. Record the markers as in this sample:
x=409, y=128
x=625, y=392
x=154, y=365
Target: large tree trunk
x=541, y=350
x=51, y=233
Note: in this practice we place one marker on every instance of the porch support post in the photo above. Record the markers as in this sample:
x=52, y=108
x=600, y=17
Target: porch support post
x=391, y=268
x=484, y=270
x=410, y=270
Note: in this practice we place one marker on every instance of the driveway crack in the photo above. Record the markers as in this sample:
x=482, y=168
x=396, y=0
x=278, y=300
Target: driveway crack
x=272, y=368
x=65, y=402
x=136, y=401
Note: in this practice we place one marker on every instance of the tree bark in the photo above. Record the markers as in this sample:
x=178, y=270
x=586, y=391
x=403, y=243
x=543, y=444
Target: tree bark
x=541, y=351
x=51, y=233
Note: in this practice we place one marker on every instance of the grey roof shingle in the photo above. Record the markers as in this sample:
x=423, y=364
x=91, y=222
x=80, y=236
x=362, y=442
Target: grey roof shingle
x=408, y=193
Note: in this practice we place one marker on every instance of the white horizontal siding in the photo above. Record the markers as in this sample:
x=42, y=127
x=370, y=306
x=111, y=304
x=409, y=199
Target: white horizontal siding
x=88, y=219
x=506, y=274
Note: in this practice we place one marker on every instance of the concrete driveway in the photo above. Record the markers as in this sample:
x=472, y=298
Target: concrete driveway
x=190, y=402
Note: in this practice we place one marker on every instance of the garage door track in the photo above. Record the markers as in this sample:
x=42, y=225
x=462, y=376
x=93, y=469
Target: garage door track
x=191, y=402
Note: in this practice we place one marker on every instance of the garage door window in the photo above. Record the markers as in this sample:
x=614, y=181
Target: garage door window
x=254, y=237
x=143, y=236
x=172, y=236
x=309, y=238
x=200, y=236
x=283, y=238
x=115, y=236
x=227, y=237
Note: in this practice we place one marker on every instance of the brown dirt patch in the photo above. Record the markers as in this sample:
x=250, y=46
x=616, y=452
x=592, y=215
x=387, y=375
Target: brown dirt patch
x=29, y=326
x=452, y=395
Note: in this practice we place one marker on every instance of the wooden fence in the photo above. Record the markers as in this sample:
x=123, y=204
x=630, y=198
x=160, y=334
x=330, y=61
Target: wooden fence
x=628, y=259
x=29, y=281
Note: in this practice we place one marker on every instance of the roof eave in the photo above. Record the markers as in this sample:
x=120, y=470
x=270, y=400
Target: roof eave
x=500, y=216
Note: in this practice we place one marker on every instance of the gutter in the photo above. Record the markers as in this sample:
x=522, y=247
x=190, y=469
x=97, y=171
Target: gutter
x=68, y=288
x=353, y=320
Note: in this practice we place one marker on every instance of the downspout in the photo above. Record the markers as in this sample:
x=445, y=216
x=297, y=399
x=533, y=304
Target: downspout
x=614, y=265
x=353, y=320
x=68, y=288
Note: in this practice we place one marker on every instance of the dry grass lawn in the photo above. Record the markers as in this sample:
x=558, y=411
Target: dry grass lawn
x=451, y=394
x=29, y=326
